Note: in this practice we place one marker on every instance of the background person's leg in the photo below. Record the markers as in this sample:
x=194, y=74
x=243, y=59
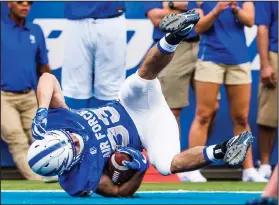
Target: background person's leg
x=266, y=144
x=206, y=98
x=27, y=109
x=238, y=87
x=267, y=120
x=13, y=134
x=207, y=80
x=77, y=69
x=110, y=58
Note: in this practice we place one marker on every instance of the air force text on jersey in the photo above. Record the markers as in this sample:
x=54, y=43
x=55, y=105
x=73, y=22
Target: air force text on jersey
x=92, y=121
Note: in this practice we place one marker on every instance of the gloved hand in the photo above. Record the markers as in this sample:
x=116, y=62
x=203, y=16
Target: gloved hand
x=39, y=123
x=139, y=162
x=262, y=200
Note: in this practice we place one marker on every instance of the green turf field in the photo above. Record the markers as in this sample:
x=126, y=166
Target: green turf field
x=209, y=186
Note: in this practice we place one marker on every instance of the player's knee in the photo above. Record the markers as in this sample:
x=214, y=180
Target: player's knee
x=162, y=166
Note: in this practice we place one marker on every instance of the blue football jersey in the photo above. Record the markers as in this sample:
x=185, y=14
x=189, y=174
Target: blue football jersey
x=102, y=129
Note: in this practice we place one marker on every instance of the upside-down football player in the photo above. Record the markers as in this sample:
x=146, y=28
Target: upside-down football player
x=77, y=144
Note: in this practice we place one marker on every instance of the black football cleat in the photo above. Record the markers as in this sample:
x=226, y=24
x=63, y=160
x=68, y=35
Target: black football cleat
x=237, y=148
x=180, y=24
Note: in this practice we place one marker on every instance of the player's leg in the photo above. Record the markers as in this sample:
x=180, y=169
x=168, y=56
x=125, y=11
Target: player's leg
x=180, y=25
x=232, y=152
x=161, y=141
x=138, y=88
x=143, y=99
x=175, y=78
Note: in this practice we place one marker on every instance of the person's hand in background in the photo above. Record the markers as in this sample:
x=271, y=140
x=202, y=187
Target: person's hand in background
x=221, y=6
x=268, y=76
x=234, y=7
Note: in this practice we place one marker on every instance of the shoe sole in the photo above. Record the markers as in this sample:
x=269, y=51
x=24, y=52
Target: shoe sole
x=175, y=22
x=237, y=152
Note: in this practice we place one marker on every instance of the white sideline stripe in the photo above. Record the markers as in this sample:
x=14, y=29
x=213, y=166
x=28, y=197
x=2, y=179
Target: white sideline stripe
x=142, y=192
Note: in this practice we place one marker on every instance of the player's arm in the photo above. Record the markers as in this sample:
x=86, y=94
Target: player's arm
x=49, y=94
x=108, y=189
x=139, y=163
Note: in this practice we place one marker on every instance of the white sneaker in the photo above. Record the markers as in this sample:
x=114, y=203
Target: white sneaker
x=251, y=175
x=50, y=179
x=193, y=176
x=265, y=171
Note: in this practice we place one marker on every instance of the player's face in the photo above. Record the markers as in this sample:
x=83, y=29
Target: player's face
x=20, y=9
x=77, y=143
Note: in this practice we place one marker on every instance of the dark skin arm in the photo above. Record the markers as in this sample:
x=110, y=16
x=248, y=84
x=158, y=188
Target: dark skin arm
x=107, y=188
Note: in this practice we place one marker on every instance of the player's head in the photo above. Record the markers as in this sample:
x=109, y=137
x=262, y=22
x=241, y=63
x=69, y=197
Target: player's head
x=56, y=153
x=19, y=9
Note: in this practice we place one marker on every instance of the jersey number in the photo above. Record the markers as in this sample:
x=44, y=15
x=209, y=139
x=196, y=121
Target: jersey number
x=117, y=135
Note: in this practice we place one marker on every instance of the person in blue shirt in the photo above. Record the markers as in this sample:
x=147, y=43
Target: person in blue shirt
x=176, y=79
x=23, y=57
x=267, y=38
x=77, y=144
x=94, y=53
x=223, y=59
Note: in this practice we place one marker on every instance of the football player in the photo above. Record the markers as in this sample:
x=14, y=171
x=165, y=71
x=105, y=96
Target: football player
x=77, y=144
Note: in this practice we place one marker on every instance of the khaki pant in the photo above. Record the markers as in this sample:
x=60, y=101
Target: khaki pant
x=17, y=111
x=176, y=78
x=207, y=71
x=268, y=99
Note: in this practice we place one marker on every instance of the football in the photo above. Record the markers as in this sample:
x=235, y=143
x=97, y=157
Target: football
x=116, y=170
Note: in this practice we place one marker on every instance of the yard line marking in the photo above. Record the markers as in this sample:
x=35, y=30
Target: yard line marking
x=144, y=192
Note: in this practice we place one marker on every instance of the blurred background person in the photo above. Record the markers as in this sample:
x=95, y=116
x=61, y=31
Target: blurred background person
x=23, y=51
x=223, y=59
x=95, y=52
x=267, y=38
x=270, y=194
x=176, y=78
